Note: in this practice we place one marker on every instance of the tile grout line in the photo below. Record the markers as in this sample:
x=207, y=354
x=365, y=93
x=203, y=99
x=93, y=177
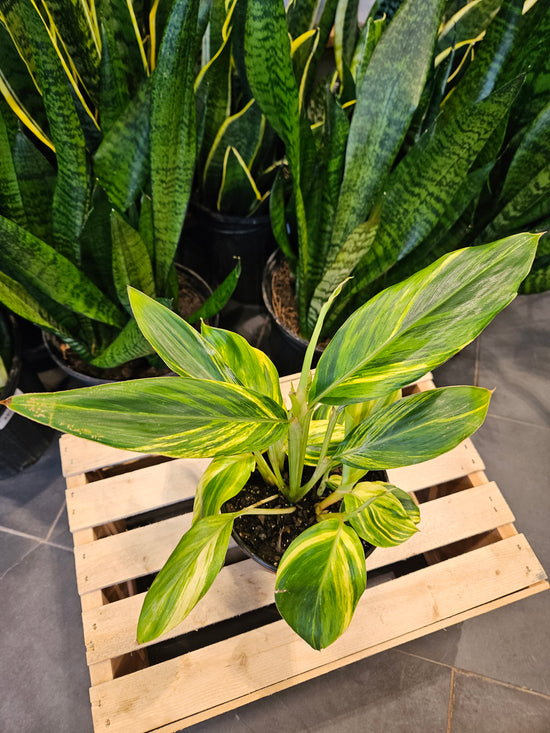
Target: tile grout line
x=477, y=675
x=518, y=422
x=54, y=523
x=451, y=701
x=38, y=540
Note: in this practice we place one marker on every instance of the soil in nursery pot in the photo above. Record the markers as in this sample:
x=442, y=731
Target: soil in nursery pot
x=267, y=536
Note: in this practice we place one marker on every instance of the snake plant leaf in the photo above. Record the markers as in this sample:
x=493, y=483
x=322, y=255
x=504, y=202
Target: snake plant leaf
x=301, y=16
x=250, y=367
x=114, y=94
x=96, y=246
x=493, y=53
x=80, y=39
x=243, y=131
x=171, y=416
x=213, y=93
x=538, y=280
x=468, y=23
x=517, y=212
x=222, y=480
x=121, y=163
x=387, y=517
x=18, y=299
x=117, y=16
x=36, y=178
x=370, y=35
x=11, y=202
x=215, y=302
x=420, y=190
x=131, y=263
x=345, y=34
x=531, y=156
x=238, y=190
x=415, y=428
x=177, y=343
x=28, y=259
x=389, y=94
x=278, y=218
x=72, y=187
x=172, y=135
x=146, y=224
x=413, y=326
x=129, y=344
x=319, y=581
x=188, y=574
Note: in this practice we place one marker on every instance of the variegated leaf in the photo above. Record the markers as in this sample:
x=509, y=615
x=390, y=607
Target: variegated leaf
x=319, y=581
x=413, y=326
x=170, y=416
x=251, y=367
x=186, y=576
x=387, y=517
x=222, y=480
x=177, y=343
x=415, y=429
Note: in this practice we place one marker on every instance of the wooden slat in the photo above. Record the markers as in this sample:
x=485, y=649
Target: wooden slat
x=128, y=494
x=182, y=687
x=110, y=631
x=459, y=462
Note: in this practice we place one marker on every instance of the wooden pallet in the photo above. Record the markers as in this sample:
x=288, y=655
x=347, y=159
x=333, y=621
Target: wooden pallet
x=467, y=559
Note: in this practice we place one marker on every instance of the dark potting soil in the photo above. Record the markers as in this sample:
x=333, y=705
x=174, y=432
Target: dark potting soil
x=268, y=535
x=285, y=305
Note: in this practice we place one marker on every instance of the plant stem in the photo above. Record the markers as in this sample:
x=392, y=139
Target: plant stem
x=266, y=472
x=253, y=508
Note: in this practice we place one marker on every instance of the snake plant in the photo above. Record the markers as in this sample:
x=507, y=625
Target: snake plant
x=238, y=151
x=348, y=418
x=97, y=153
x=434, y=135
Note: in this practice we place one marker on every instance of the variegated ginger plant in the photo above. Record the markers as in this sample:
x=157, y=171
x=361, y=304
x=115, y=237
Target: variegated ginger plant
x=348, y=418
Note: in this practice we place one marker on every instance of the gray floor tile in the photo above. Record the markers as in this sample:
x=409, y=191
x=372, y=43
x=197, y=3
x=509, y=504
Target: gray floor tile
x=13, y=548
x=486, y=707
x=60, y=534
x=461, y=369
x=43, y=676
x=505, y=644
x=515, y=358
x=390, y=691
x=30, y=501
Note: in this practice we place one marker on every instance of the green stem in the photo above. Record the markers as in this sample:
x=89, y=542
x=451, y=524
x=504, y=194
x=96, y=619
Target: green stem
x=266, y=472
x=253, y=508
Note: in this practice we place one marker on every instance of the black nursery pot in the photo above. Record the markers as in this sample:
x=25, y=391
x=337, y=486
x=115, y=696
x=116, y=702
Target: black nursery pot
x=22, y=441
x=288, y=348
x=221, y=238
x=265, y=537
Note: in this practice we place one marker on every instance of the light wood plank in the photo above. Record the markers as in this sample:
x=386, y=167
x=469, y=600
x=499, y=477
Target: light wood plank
x=128, y=494
x=182, y=687
x=459, y=462
x=109, y=631
x=178, y=725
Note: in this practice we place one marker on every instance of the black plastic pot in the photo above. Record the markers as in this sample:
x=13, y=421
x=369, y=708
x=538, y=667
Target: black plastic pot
x=94, y=375
x=287, y=348
x=219, y=238
x=22, y=441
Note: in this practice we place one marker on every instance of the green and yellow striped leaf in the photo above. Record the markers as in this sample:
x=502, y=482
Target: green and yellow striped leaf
x=249, y=367
x=173, y=133
x=415, y=428
x=222, y=480
x=385, y=515
x=238, y=190
x=178, y=344
x=171, y=416
x=186, y=576
x=114, y=94
x=414, y=326
x=131, y=263
x=319, y=581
